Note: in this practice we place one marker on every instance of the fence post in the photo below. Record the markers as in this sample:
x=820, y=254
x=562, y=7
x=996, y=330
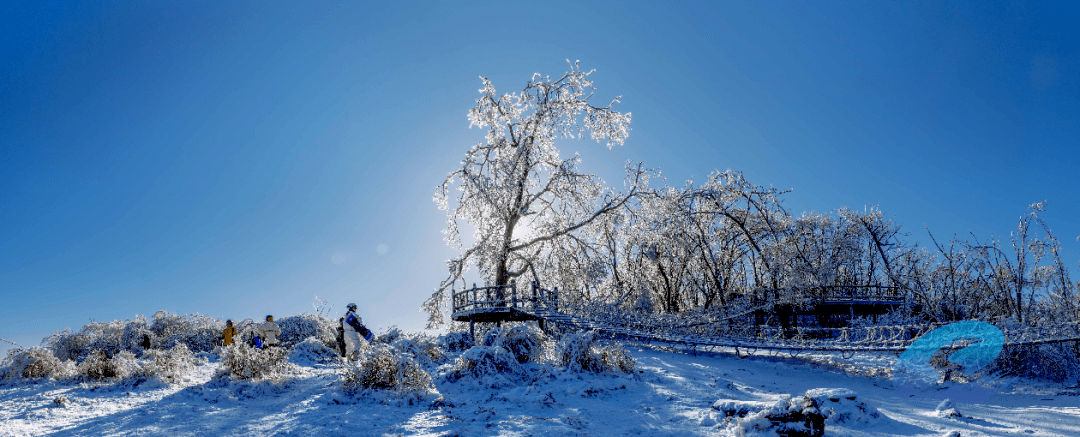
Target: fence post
x=513, y=294
x=474, y=295
x=555, y=298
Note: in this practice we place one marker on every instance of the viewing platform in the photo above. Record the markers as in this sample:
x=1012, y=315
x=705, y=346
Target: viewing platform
x=499, y=303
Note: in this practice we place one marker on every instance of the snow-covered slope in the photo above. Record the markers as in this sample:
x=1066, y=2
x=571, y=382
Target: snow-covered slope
x=672, y=394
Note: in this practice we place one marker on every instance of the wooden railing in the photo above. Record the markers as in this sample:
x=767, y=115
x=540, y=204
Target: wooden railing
x=841, y=293
x=505, y=296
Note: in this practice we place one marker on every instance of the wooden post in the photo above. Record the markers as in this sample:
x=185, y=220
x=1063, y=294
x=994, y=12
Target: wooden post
x=513, y=294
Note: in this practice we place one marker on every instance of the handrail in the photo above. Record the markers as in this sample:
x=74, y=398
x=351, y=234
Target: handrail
x=504, y=296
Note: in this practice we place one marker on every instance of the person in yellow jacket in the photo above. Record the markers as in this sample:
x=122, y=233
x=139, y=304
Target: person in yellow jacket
x=228, y=333
x=270, y=332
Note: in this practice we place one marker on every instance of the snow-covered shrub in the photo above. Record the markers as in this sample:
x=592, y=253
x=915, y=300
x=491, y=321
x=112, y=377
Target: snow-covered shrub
x=525, y=342
x=296, y=329
x=68, y=345
x=457, y=341
x=33, y=363
x=491, y=335
x=384, y=368
x=200, y=333
x=422, y=347
x=100, y=365
x=390, y=336
x=168, y=366
x=312, y=351
x=1055, y=362
x=243, y=362
x=574, y=351
x=577, y=352
x=616, y=358
x=481, y=361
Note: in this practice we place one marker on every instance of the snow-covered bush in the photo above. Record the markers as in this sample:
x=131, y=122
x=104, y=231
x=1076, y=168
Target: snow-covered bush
x=525, y=342
x=33, y=363
x=1055, y=362
x=457, y=341
x=490, y=336
x=243, y=362
x=100, y=365
x=312, y=351
x=384, y=368
x=297, y=329
x=480, y=361
x=68, y=345
x=168, y=366
x=616, y=359
x=196, y=332
x=422, y=347
x=200, y=333
x=577, y=352
x=390, y=336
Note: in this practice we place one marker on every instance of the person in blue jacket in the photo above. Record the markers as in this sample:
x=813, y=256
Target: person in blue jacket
x=354, y=329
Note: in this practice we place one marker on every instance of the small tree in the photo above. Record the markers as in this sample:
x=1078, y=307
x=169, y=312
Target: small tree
x=517, y=174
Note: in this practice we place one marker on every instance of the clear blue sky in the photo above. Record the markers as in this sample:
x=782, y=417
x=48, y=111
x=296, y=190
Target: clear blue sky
x=236, y=159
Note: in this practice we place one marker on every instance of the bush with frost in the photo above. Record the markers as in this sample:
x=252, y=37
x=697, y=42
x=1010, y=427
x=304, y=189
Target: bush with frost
x=33, y=363
x=578, y=352
x=240, y=361
x=168, y=366
x=457, y=341
x=1057, y=362
x=100, y=365
x=384, y=368
x=296, y=329
x=486, y=361
x=198, y=332
x=313, y=351
x=525, y=342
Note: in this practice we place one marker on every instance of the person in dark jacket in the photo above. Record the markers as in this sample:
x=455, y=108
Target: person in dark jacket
x=341, y=336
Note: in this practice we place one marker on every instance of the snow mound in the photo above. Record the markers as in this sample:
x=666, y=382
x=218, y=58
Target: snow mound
x=947, y=409
x=842, y=406
x=494, y=366
x=804, y=415
x=788, y=417
x=312, y=351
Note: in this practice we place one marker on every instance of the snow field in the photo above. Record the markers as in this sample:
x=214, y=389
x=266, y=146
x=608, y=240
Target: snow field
x=669, y=394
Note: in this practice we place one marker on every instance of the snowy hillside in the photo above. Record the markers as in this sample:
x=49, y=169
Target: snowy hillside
x=668, y=393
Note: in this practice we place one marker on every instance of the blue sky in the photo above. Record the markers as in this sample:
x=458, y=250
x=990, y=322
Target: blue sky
x=237, y=158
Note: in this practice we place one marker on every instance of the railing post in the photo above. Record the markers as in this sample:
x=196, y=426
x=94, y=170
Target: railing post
x=555, y=298
x=474, y=295
x=513, y=294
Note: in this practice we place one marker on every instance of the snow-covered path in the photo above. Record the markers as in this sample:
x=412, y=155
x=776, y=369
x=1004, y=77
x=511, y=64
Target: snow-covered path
x=671, y=395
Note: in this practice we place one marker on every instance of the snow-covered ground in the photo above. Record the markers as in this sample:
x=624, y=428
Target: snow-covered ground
x=672, y=393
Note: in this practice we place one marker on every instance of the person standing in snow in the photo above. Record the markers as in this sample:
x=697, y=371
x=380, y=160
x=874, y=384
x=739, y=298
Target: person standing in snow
x=354, y=329
x=341, y=336
x=270, y=332
x=228, y=333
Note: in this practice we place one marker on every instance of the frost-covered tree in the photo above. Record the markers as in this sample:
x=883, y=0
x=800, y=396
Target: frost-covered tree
x=516, y=176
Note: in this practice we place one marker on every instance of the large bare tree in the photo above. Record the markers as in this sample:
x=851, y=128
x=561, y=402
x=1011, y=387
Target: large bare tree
x=516, y=175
